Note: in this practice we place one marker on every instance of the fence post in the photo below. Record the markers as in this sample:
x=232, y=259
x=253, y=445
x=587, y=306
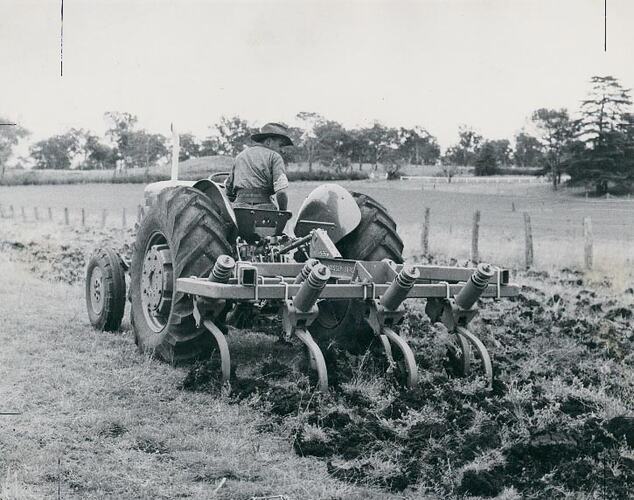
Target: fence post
x=83, y=217
x=36, y=213
x=123, y=221
x=512, y=206
x=12, y=211
x=66, y=215
x=475, y=236
x=104, y=214
x=23, y=214
x=587, y=237
x=528, y=237
x=425, y=235
x=50, y=213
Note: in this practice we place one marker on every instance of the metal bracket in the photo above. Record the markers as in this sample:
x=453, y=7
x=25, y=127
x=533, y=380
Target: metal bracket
x=380, y=320
x=295, y=322
x=447, y=312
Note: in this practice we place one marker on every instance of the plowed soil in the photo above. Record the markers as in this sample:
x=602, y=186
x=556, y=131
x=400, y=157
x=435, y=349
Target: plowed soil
x=558, y=423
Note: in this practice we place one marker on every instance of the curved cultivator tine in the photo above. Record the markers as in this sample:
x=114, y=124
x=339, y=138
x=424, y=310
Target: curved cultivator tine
x=223, y=349
x=482, y=352
x=408, y=359
x=317, y=361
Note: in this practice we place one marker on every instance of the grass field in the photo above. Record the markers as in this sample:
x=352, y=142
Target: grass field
x=98, y=420
x=557, y=218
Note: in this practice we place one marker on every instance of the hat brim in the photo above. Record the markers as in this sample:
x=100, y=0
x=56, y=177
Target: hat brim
x=263, y=136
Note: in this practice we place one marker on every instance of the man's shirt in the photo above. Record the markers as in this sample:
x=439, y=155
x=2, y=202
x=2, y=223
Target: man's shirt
x=258, y=167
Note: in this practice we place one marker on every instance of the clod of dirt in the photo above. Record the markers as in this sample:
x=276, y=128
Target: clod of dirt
x=150, y=445
x=481, y=483
x=621, y=427
x=203, y=376
x=113, y=430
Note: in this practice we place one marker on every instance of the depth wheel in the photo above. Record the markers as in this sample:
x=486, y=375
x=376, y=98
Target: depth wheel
x=105, y=290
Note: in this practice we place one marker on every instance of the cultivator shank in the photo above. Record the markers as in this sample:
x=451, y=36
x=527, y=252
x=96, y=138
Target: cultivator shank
x=381, y=286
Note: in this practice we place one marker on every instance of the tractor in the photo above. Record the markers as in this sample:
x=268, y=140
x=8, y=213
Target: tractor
x=199, y=264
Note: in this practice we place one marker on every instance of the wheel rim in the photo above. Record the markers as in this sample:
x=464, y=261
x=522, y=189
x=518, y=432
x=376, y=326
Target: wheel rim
x=96, y=290
x=157, y=282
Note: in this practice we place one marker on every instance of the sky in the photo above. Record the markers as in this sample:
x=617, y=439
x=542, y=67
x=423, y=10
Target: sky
x=433, y=63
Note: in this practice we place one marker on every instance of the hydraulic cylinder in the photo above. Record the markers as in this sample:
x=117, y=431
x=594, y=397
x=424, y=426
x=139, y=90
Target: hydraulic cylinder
x=311, y=288
x=474, y=287
x=400, y=287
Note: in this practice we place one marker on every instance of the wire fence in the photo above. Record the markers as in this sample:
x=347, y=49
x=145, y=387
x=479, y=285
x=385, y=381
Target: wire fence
x=518, y=238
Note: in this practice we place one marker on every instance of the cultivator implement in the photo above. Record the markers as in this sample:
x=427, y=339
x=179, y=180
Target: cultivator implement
x=337, y=277
x=380, y=287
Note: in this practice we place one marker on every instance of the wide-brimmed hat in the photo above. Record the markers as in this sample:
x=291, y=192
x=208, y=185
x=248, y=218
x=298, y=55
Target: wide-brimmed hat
x=273, y=130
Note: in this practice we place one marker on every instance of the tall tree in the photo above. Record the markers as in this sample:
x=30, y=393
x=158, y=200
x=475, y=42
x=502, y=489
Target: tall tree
x=604, y=109
x=10, y=135
x=309, y=143
x=465, y=151
x=486, y=162
x=418, y=146
x=528, y=151
x=335, y=145
x=557, y=133
x=231, y=135
x=120, y=127
x=381, y=140
x=189, y=147
x=55, y=152
x=608, y=136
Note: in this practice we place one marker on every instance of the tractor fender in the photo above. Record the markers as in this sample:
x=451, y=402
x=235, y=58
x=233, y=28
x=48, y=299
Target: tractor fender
x=332, y=204
x=214, y=191
x=217, y=194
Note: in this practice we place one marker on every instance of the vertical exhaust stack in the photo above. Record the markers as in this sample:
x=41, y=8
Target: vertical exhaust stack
x=311, y=288
x=400, y=287
x=176, y=148
x=478, y=282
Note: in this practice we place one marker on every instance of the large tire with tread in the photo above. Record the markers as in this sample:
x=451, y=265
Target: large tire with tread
x=184, y=234
x=375, y=238
x=105, y=290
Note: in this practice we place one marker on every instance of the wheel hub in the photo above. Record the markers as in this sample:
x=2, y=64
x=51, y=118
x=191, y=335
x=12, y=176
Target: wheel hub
x=157, y=284
x=96, y=290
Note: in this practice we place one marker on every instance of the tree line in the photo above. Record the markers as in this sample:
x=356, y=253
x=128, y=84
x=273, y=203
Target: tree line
x=596, y=147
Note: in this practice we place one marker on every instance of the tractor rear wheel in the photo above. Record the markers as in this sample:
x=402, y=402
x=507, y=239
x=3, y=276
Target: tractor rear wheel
x=182, y=235
x=105, y=290
x=375, y=238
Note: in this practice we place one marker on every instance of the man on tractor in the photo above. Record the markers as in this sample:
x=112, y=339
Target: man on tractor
x=259, y=172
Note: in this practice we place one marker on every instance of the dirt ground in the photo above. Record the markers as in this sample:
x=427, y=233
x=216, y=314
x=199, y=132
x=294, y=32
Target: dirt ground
x=559, y=422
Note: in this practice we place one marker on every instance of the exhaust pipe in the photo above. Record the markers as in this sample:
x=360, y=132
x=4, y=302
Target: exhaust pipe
x=311, y=288
x=400, y=287
x=477, y=283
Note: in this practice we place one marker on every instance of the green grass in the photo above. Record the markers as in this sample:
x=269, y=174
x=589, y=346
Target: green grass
x=98, y=420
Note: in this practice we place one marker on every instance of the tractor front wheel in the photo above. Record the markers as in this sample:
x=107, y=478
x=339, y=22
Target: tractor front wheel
x=105, y=290
x=181, y=236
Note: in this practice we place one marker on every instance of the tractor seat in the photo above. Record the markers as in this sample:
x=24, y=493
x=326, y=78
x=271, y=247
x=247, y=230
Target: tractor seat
x=257, y=223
